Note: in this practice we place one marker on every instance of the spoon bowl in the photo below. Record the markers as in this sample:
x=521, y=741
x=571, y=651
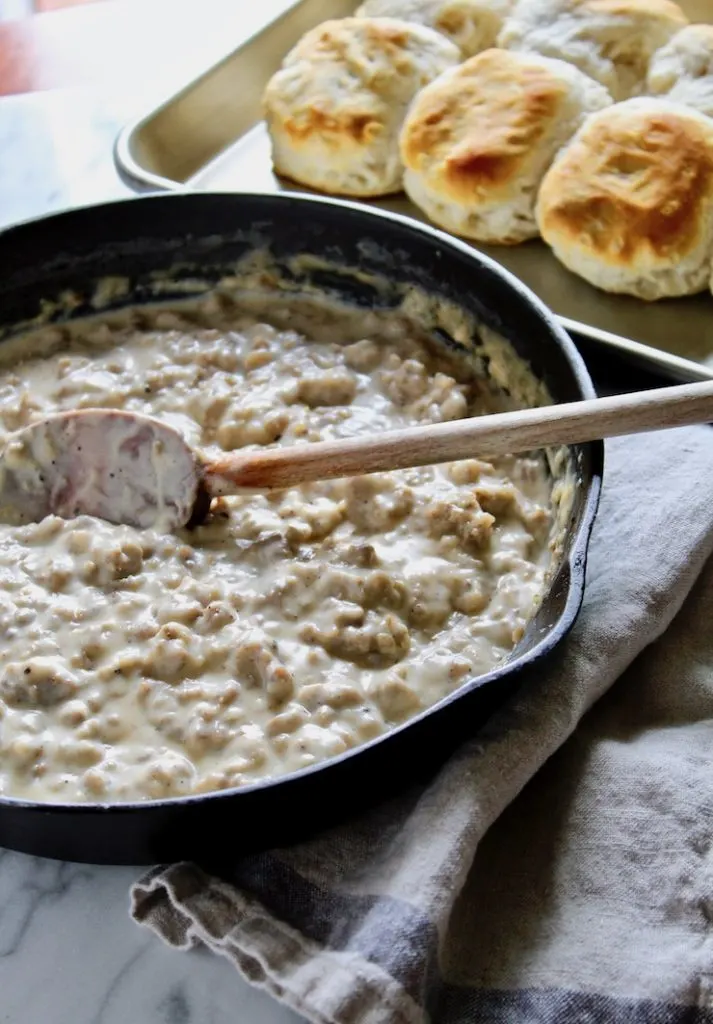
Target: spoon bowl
x=119, y=466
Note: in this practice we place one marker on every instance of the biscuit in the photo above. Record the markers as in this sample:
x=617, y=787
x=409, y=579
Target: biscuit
x=628, y=204
x=335, y=107
x=473, y=25
x=682, y=70
x=610, y=40
x=477, y=141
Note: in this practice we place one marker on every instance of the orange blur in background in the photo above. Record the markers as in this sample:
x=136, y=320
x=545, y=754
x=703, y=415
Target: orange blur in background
x=47, y=44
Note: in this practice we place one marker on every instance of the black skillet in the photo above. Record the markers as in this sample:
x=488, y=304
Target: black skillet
x=136, y=238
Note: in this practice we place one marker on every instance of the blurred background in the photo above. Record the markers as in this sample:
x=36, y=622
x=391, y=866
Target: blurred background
x=49, y=44
x=11, y=10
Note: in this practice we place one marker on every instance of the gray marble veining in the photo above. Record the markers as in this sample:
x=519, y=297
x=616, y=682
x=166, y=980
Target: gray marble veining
x=69, y=954
x=55, y=151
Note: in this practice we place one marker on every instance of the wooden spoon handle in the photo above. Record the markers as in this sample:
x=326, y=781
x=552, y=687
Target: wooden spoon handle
x=476, y=437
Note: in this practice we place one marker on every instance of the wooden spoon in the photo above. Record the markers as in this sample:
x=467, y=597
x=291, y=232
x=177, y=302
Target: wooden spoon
x=133, y=469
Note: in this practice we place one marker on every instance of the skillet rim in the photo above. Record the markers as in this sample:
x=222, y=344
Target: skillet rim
x=574, y=565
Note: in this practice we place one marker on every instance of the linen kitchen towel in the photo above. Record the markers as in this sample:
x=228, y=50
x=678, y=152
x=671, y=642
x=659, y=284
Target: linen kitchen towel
x=533, y=880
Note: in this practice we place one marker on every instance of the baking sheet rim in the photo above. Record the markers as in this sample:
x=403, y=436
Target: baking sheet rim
x=676, y=367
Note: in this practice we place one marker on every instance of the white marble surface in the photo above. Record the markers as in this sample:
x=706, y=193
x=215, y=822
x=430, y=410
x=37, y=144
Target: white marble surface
x=69, y=953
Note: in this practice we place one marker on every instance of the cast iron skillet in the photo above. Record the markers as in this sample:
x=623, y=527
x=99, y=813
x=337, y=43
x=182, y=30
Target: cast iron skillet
x=137, y=237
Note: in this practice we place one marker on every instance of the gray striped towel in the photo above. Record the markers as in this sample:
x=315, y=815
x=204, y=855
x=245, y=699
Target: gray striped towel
x=556, y=869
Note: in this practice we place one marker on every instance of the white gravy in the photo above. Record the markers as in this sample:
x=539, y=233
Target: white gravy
x=289, y=628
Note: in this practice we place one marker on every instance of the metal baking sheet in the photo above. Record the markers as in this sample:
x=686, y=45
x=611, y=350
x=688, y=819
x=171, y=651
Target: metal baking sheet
x=210, y=136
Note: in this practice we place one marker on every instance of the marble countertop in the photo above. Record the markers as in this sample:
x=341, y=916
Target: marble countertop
x=69, y=953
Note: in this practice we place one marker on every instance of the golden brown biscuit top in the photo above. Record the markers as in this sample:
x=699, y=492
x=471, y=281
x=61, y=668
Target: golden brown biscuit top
x=451, y=20
x=334, y=39
x=476, y=125
x=346, y=77
x=631, y=182
x=372, y=50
